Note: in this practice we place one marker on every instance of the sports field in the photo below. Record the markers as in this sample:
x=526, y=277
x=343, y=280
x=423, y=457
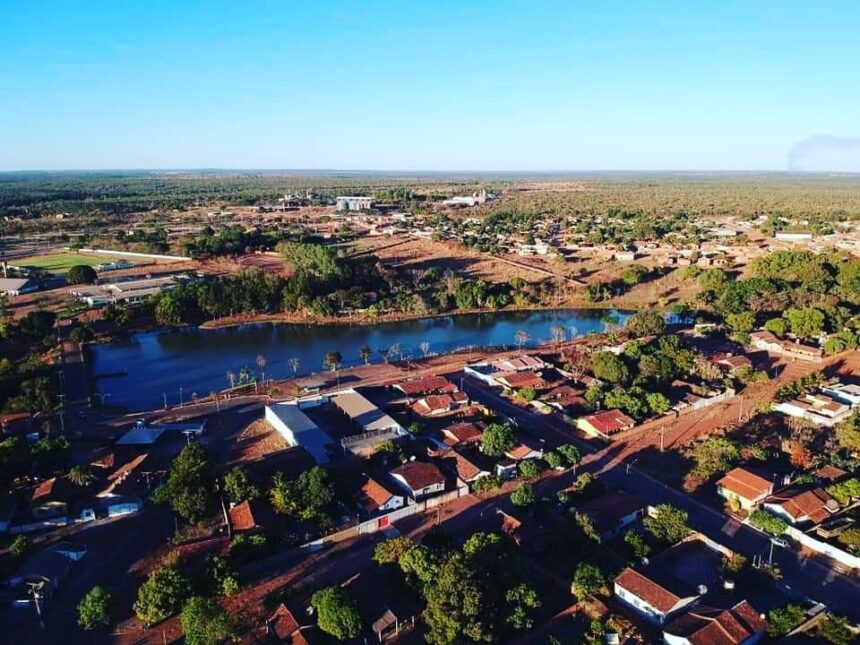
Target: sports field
x=62, y=262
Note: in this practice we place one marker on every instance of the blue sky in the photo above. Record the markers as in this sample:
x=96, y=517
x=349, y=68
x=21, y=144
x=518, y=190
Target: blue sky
x=443, y=85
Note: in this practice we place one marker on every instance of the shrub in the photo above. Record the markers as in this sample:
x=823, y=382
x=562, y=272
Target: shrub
x=96, y=608
x=767, y=522
x=81, y=274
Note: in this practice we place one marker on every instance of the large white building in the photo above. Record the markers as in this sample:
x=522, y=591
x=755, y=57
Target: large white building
x=353, y=203
x=299, y=430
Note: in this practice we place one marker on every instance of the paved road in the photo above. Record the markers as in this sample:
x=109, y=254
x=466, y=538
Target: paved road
x=805, y=576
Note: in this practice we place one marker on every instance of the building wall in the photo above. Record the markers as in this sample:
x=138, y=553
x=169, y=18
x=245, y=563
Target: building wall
x=639, y=606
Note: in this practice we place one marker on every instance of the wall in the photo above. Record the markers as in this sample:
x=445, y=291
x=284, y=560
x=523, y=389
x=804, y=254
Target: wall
x=150, y=256
x=835, y=553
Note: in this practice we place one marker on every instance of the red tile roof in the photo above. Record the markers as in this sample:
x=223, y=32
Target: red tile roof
x=427, y=385
x=803, y=505
x=242, y=517
x=708, y=626
x=466, y=470
x=462, y=433
x=419, y=474
x=373, y=495
x=646, y=589
x=523, y=379
x=746, y=484
x=282, y=623
x=609, y=421
x=42, y=490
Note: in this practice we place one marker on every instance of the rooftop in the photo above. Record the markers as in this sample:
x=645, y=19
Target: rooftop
x=745, y=483
x=419, y=474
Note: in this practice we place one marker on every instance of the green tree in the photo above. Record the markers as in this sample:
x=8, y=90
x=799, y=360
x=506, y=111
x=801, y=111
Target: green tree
x=498, y=439
x=332, y=360
x=715, y=455
x=20, y=546
x=238, y=485
x=609, y=368
x=188, y=483
x=846, y=491
x=390, y=551
x=805, y=323
x=777, y=326
x=527, y=394
x=337, y=613
x=587, y=581
x=162, y=595
x=529, y=468
x=306, y=497
x=835, y=629
x=658, y=403
x=81, y=274
x=204, y=622
x=781, y=620
x=96, y=609
x=570, y=452
x=523, y=495
x=365, y=353
x=637, y=544
x=767, y=522
x=82, y=334
x=645, y=323
x=520, y=601
x=668, y=524
x=741, y=323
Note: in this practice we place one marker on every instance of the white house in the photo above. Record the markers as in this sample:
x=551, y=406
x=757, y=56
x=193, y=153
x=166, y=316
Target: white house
x=374, y=497
x=744, y=486
x=649, y=599
x=354, y=203
x=845, y=393
x=419, y=479
x=16, y=286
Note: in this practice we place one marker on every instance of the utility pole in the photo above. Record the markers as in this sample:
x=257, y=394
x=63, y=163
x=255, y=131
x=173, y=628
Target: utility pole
x=164, y=394
x=662, y=434
x=180, y=396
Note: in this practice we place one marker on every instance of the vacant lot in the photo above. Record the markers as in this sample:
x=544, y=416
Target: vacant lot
x=62, y=262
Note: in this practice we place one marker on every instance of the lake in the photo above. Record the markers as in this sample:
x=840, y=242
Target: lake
x=197, y=360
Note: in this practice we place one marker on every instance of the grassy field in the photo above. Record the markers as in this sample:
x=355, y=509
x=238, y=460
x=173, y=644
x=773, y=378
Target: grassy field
x=62, y=262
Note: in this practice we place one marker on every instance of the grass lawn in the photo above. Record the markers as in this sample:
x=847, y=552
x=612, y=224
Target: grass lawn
x=62, y=262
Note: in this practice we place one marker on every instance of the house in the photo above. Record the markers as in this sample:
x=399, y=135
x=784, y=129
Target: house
x=436, y=404
x=797, y=506
x=50, y=498
x=47, y=568
x=463, y=433
x=744, y=486
x=506, y=468
x=16, y=286
x=849, y=394
x=524, y=451
x=374, y=497
x=731, y=364
x=283, y=627
x=464, y=468
x=565, y=398
x=427, y=385
x=299, y=430
x=612, y=513
x=605, y=423
x=766, y=341
x=817, y=408
x=648, y=598
x=419, y=479
x=740, y=625
x=250, y=516
x=519, y=380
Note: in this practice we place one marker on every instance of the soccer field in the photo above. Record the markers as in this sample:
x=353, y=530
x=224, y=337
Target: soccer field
x=62, y=262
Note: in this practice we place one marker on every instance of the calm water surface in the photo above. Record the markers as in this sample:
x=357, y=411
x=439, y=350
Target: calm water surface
x=159, y=363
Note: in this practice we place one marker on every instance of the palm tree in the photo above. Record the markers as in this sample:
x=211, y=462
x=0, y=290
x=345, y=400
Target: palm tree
x=558, y=335
x=522, y=337
x=79, y=475
x=425, y=347
x=395, y=349
x=384, y=353
x=332, y=360
x=231, y=376
x=294, y=364
x=365, y=352
x=261, y=363
x=244, y=375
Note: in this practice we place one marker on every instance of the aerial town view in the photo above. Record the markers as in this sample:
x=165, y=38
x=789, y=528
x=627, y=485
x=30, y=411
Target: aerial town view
x=308, y=336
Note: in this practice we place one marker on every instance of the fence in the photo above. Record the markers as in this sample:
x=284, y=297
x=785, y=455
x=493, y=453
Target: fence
x=832, y=552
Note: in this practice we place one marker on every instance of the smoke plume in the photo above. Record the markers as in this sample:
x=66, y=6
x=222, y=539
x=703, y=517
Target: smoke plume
x=820, y=147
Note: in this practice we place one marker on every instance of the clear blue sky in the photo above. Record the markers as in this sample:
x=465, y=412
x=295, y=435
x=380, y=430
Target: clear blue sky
x=409, y=84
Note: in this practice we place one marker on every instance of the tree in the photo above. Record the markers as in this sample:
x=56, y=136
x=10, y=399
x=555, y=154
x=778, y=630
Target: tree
x=529, y=468
x=20, y=546
x=82, y=334
x=96, y=608
x=609, y=368
x=305, y=498
x=261, y=363
x=79, y=475
x=570, y=452
x=645, y=323
x=554, y=460
x=669, y=524
x=332, y=360
x=390, y=551
x=527, y=394
x=365, y=353
x=848, y=433
x=658, y=403
x=741, y=323
x=294, y=364
x=587, y=580
x=637, y=544
x=715, y=455
x=162, y=595
x=188, y=483
x=805, y=323
x=81, y=274
x=523, y=495
x=520, y=600
x=781, y=620
x=497, y=439
x=777, y=326
x=204, y=622
x=521, y=337
x=846, y=491
x=835, y=629
x=337, y=613
x=238, y=485
x=767, y=522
